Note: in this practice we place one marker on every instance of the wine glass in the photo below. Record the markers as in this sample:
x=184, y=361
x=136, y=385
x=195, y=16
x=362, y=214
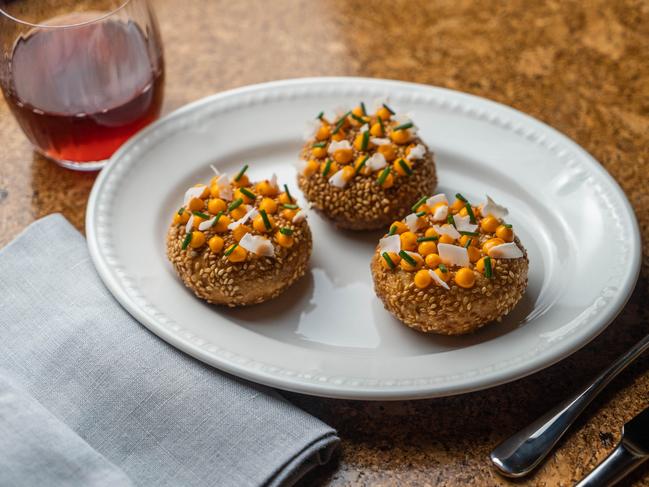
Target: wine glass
x=80, y=77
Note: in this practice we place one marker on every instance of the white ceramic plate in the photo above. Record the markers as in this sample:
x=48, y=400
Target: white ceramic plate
x=329, y=335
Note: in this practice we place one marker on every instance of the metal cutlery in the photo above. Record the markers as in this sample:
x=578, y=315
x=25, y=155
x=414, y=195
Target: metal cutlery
x=631, y=451
x=521, y=453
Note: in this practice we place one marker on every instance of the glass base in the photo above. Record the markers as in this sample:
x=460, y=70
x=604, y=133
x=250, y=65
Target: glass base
x=88, y=166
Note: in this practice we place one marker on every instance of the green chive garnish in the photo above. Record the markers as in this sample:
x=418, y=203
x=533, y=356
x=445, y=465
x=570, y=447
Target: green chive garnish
x=325, y=171
x=188, y=238
x=290, y=207
x=216, y=219
x=420, y=213
x=388, y=109
x=468, y=242
x=241, y=173
x=488, y=270
x=248, y=193
x=393, y=230
x=443, y=268
x=432, y=238
x=405, y=256
x=383, y=176
x=288, y=193
x=201, y=214
x=286, y=231
x=264, y=217
x=235, y=204
x=319, y=145
x=362, y=163
x=470, y=234
x=461, y=198
x=506, y=225
x=470, y=212
x=387, y=259
x=405, y=167
x=403, y=126
x=231, y=249
x=358, y=119
x=340, y=123
x=363, y=108
x=366, y=140
x=450, y=220
x=381, y=124
x=181, y=211
x=420, y=202
x=320, y=115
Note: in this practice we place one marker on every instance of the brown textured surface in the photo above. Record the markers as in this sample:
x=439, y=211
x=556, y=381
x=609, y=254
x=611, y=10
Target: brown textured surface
x=579, y=66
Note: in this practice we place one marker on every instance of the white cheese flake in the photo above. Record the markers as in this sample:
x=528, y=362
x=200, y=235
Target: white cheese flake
x=337, y=145
x=380, y=141
x=190, y=224
x=453, y=254
x=311, y=129
x=193, y=192
x=417, y=152
x=438, y=198
x=338, y=180
x=273, y=181
x=463, y=223
x=438, y=280
x=202, y=226
x=257, y=245
x=413, y=222
x=390, y=244
x=376, y=161
x=223, y=184
x=216, y=171
x=364, y=128
x=506, y=251
x=299, y=217
x=441, y=213
x=447, y=230
x=490, y=207
x=251, y=213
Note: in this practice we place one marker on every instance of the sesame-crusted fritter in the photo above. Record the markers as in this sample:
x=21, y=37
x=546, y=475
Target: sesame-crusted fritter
x=456, y=311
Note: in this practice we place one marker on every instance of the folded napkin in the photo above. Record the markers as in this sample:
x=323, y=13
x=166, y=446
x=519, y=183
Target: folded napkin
x=90, y=397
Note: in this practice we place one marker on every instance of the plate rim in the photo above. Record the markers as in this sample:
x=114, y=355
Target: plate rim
x=393, y=392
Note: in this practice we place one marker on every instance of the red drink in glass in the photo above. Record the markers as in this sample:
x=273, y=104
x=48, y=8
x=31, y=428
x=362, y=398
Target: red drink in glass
x=81, y=84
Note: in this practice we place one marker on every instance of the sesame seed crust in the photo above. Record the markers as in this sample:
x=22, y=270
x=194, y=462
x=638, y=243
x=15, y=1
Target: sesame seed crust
x=456, y=311
x=363, y=204
x=214, y=278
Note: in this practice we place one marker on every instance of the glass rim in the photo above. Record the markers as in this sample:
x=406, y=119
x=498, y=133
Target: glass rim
x=66, y=26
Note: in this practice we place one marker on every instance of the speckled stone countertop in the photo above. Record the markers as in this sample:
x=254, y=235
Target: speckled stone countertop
x=580, y=66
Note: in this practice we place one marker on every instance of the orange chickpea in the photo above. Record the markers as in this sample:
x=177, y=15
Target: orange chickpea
x=489, y=224
x=215, y=244
x=323, y=133
x=474, y=253
x=465, y=278
x=222, y=224
x=319, y=152
x=343, y=156
x=492, y=242
x=237, y=254
x=196, y=204
x=433, y=260
x=422, y=279
x=400, y=227
x=198, y=240
x=384, y=113
x=240, y=231
x=215, y=205
x=408, y=241
x=505, y=233
x=268, y=205
x=388, y=151
x=310, y=168
x=447, y=239
x=426, y=248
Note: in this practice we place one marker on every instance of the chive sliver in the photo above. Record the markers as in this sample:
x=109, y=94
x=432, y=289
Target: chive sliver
x=469, y=210
x=231, y=249
x=188, y=238
x=388, y=109
x=405, y=256
x=288, y=193
x=235, y=204
x=432, y=238
x=403, y=126
x=383, y=176
x=201, y=214
x=241, y=173
x=286, y=231
x=388, y=260
x=265, y=219
x=248, y=193
x=461, y=198
x=488, y=270
x=420, y=202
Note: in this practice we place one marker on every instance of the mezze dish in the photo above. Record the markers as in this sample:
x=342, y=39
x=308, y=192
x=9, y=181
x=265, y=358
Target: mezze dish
x=450, y=268
x=360, y=169
x=236, y=243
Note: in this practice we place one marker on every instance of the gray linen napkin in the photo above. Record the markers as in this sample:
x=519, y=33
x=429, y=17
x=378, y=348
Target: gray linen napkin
x=89, y=397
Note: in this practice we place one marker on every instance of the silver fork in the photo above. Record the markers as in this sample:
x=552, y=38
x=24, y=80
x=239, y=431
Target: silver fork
x=523, y=452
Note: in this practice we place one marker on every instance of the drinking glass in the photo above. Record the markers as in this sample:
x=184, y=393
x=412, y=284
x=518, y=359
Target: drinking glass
x=80, y=77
